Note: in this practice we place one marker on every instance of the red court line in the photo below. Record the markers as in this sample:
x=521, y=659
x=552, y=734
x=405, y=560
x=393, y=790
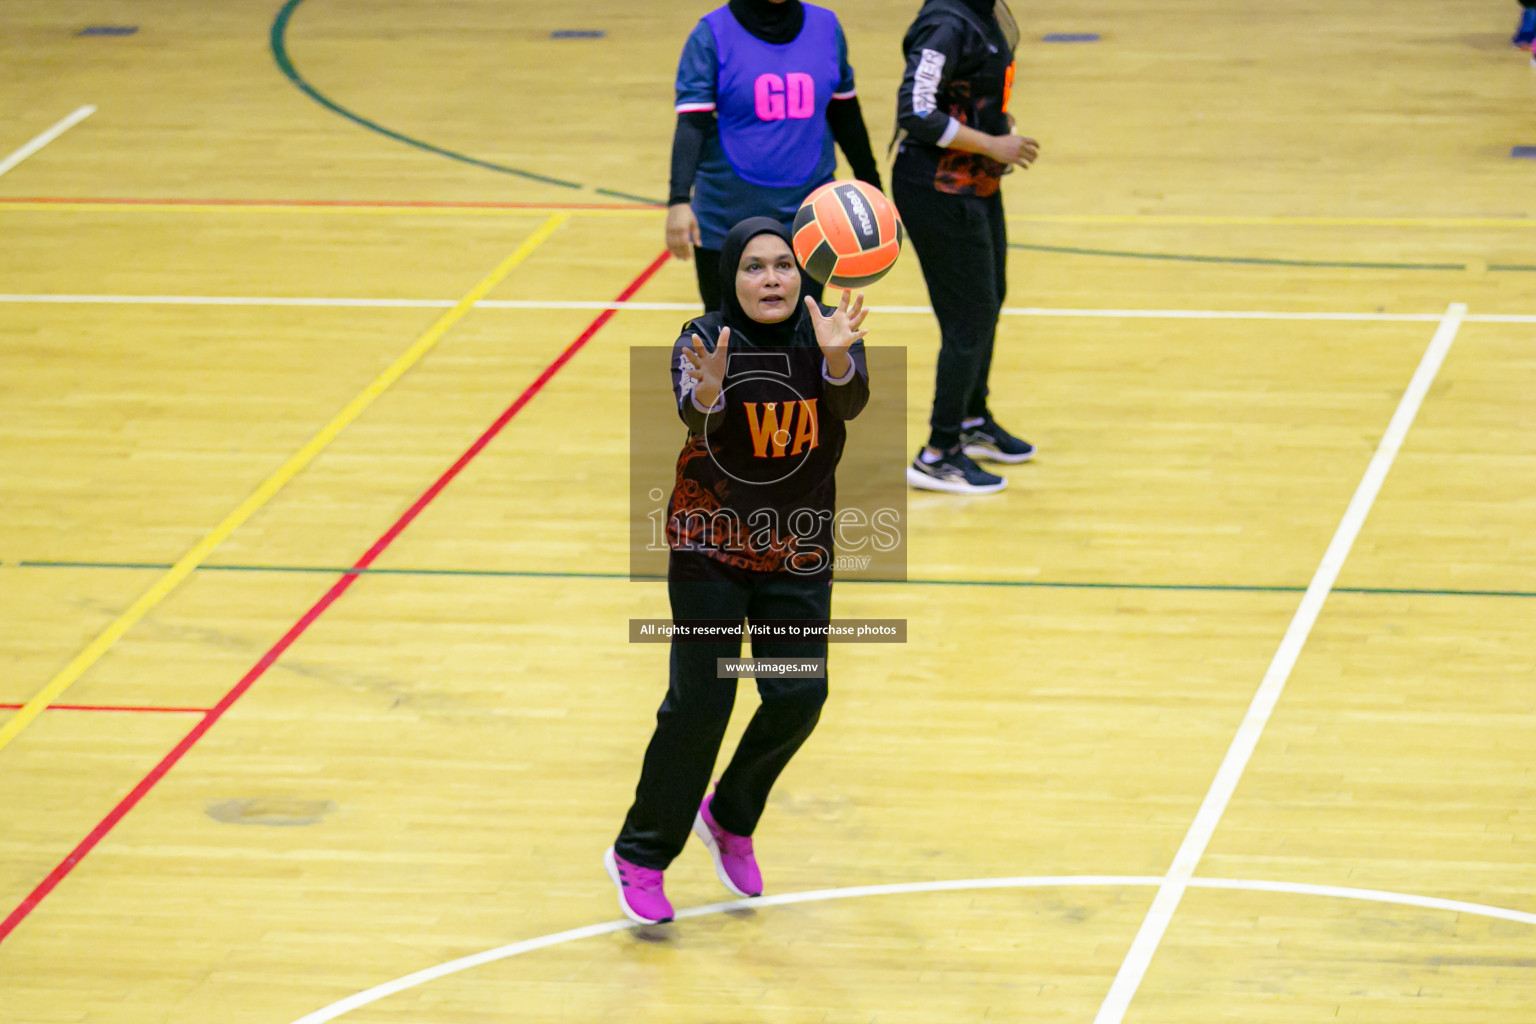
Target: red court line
x=86, y=845
x=109, y=707
x=388, y=204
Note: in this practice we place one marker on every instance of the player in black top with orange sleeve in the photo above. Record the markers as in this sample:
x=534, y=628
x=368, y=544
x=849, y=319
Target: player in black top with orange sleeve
x=955, y=143
x=765, y=386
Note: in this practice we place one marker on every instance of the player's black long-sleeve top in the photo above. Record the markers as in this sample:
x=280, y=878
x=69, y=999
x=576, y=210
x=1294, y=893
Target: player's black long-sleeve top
x=959, y=72
x=756, y=478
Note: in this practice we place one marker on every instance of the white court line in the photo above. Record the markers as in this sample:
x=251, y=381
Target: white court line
x=443, y=970
x=1134, y=967
x=228, y=300
x=686, y=307
x=1375, y=895
x=1499, y=318
x=48, y=136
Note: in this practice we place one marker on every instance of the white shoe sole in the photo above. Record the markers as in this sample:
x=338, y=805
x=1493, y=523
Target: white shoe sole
x=613, y=873
x=707, y=837
x=924, y=482
x=981, y=451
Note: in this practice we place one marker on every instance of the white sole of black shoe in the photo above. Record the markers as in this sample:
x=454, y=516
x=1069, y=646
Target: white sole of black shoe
x=924, y=482
x=979, y=451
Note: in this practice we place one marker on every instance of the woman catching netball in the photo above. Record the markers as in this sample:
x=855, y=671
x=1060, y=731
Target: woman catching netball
x=958, y=143
x=765, y=386
x=763, y=89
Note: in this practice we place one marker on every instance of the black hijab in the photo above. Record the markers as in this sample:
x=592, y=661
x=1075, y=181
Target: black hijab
x=771, y=22
x=981, y=7
x=731, y=313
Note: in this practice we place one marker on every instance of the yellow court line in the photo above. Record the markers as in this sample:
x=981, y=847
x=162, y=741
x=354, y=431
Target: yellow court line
x=192, y=559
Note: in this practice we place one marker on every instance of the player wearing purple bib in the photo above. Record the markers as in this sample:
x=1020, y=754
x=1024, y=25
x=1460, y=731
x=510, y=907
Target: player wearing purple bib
x=764, y=89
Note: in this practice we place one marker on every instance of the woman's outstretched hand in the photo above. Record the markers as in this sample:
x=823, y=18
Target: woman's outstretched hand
x=837, y=333
x=708, y=368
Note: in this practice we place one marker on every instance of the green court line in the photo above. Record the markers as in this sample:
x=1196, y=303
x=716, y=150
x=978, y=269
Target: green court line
x=1021, y=584
x=279, y=44
x=1251, y=260
x=285, y=64
x=628, y=195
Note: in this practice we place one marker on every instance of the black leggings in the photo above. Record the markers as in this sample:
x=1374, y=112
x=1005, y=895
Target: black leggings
x=706, y=263
x=962, y=245
x=691, y=722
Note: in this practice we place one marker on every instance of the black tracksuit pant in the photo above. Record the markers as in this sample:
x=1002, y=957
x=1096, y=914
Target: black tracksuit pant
x=962, y=245
x=691, y=722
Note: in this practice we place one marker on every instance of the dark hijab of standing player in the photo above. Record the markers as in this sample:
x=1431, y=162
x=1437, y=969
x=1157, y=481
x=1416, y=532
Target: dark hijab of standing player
x=772, y=21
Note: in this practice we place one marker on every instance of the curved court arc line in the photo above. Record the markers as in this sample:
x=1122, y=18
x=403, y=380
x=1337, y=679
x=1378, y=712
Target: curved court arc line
x=279, y=46
x=443, y=970
x=279, y=42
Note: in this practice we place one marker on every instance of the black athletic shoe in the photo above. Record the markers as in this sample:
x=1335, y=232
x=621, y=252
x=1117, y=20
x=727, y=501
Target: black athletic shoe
x=955, y=473
x=987, y=440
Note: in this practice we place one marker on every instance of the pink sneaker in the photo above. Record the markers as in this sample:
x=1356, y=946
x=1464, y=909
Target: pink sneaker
x=732, y=853
x=640, y=893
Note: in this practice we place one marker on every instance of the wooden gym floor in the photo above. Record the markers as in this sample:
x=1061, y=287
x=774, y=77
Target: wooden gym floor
x=1224, y=711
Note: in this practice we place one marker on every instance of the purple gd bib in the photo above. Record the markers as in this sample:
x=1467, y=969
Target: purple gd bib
x=772, y=99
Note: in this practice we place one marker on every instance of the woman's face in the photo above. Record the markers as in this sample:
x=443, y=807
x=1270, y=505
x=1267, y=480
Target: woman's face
x=767, y=280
